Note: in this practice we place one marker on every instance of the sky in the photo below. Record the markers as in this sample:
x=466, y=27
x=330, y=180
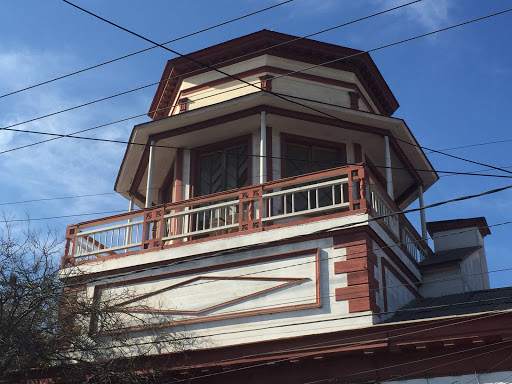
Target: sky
x=452, y=87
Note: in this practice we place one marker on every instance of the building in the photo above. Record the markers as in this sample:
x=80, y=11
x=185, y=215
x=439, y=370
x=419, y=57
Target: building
x=270, y=227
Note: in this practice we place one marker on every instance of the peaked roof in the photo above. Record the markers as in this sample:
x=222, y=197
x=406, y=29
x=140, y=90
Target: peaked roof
x=496, y=299
x=276, y=44
x=449, y=225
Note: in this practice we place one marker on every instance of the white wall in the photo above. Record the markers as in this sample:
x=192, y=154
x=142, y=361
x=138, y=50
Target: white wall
x=457, y=238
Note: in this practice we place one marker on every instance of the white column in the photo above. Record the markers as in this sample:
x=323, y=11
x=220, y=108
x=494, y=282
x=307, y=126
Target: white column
x=149, y=189
x=131, y=204
x=263, y=147
x=389, y=174
x=422, y=213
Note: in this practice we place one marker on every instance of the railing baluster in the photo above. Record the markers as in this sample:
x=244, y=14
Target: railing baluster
x=333, y=195
x=309, y=198
x=317, y=201
x=293, y=202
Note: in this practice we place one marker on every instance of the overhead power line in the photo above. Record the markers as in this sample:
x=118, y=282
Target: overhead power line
x=291, y=100
x=57, y=135
x=147, y=49
x=184, y=74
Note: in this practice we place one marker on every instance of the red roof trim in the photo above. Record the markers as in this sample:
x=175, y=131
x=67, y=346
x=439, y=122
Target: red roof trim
x=449, y=225
x=305, y=50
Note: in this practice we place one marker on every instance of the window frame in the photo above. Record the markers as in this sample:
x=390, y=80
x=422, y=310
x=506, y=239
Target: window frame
x=222, y=145
x=287, y=138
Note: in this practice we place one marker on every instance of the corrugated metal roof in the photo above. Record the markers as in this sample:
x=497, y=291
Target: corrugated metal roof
x=456, y=304
x=457, y=254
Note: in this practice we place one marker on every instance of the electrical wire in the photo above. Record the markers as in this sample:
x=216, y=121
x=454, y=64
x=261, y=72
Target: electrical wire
x=466, y=197
x=250, y=84
x=188, y=73
x=508, y=342
x=147, y=49
x=204, y=65
x=248, y=155
x=342, y=342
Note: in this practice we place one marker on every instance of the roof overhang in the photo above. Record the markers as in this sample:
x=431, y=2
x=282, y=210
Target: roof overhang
x=276, y=44
x=196, y=120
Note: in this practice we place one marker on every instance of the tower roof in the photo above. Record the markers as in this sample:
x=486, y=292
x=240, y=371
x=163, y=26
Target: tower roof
x=281, y=45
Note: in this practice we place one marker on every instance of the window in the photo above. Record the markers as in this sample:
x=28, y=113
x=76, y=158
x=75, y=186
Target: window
x=305, y=155
x=223, y=166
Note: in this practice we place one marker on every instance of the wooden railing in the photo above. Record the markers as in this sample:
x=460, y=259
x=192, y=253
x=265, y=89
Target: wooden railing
x=314, y=196
x=388, y=213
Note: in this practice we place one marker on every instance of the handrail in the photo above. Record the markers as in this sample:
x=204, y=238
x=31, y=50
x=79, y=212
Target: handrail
x=247, y=209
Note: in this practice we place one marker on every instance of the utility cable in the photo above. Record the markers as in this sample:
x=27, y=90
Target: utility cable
x=147, y=49
x=57, y=135
x=420, y=361
x=291, y=100
x=253, y=85
x=243, y=368
x=188, y=73
x=342, y=342
x=489, y=192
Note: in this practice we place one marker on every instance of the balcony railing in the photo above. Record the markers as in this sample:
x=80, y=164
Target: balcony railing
x=315, y=196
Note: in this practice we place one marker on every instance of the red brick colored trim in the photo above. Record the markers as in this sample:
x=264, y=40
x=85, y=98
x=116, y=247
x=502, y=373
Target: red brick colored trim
x=285, y=282
x=266, y=82
x=449, y=225
x=354, y=100
x=314, y=304
x=183, y=104
x=208, y=123
x=280, y=45
x=360, y=263
x=352, y=292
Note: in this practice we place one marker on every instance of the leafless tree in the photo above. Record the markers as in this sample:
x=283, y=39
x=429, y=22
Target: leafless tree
x=45, y=323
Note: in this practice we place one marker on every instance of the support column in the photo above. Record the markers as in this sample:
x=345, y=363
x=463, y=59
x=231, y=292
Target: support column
x=131, y=205
x=389, y=174
x=263, y=147
x=422, y=213
x=149, y=189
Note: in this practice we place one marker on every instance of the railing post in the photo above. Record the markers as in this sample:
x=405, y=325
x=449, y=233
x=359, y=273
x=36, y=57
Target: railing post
x=363, y=181
x=153, y=228
x=356, y=192
x=246, y=203
x=69, y=249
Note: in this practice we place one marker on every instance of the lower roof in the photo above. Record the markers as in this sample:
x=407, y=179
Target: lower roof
x=497, y=299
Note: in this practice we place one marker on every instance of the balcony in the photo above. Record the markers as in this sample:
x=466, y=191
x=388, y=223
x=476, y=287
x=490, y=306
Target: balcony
x=337, y=192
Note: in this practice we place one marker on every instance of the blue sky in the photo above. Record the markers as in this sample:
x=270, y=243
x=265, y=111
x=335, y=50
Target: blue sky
x=452, y=89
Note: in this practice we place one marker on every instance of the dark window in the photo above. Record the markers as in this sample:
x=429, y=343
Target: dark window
x=303, y=155
x=223, y=170
x=301, y=159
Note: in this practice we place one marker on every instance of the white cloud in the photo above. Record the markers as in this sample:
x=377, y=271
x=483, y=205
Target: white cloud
x=428, y=13
x=64, y=167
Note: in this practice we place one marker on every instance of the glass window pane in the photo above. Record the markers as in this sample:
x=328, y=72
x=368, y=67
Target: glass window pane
x=324, y=159
x=210, y=173
x=297, y=160
x=236, y=167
